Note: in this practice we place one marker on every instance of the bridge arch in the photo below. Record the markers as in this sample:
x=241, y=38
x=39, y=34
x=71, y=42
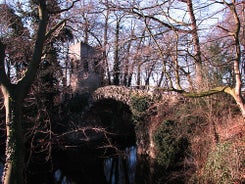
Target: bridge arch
x=121, y=94
x=116, y=117
x=137, y=101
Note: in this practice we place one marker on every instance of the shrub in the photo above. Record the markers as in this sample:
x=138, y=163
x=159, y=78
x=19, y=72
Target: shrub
x=171, y=147
x=140, y=103
x=226, y=163
x=139, y=106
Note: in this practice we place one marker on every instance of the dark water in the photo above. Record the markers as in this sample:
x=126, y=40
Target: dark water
x=89, y=169
x=119, y=169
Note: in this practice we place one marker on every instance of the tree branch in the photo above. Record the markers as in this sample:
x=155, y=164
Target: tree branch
x=26, y=81
x=200, y=94
x=65, y=9
x=48, y=34
x=171, y=27
x=210, y=92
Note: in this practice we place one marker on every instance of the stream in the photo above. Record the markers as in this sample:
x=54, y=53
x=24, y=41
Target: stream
x=118, y=169
x=88, y=168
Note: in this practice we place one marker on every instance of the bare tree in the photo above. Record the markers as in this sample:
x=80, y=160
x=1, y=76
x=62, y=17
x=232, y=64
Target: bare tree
x=235, y=32
x=14, y=94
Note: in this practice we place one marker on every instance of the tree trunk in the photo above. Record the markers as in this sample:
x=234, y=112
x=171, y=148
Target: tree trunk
x=15, y=148
x=196, y=43
x=105, y=45
x=138, y=80
x=237, y=61
x=116, y=67
x=14, y=95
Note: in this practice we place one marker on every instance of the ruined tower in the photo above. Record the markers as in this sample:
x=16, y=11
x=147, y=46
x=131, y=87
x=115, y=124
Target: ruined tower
x=86, y=68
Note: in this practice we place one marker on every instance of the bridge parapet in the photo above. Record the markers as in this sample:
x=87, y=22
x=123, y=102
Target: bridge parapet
x=120, y=93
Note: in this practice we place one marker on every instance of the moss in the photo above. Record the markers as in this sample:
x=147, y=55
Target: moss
x=209, y=92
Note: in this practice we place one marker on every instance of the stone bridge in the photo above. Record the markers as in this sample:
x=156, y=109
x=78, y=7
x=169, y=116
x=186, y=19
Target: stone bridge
x=125, y=95
x=121, y=94
x=156, y=100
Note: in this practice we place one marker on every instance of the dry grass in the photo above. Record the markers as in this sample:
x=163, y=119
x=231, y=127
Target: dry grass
x=232, y=127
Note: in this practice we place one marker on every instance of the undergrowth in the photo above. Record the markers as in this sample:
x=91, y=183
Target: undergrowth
x=213, y=157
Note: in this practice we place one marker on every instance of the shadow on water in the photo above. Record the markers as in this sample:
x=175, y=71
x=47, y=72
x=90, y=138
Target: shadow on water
x=118, y=169
x=78, y=166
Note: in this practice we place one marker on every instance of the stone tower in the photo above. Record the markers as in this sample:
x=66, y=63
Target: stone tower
x=86, y=69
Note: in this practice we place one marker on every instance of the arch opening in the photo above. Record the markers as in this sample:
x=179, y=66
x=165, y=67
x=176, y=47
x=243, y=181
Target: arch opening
x=116, y=117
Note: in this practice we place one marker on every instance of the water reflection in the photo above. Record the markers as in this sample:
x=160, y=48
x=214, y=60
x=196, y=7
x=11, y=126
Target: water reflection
x=59, y=178
x=121, y=169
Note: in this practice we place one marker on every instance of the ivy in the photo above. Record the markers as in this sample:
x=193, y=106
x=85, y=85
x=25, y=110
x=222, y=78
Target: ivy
x=139, y=106
x=140, y=103
x=170, y=147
